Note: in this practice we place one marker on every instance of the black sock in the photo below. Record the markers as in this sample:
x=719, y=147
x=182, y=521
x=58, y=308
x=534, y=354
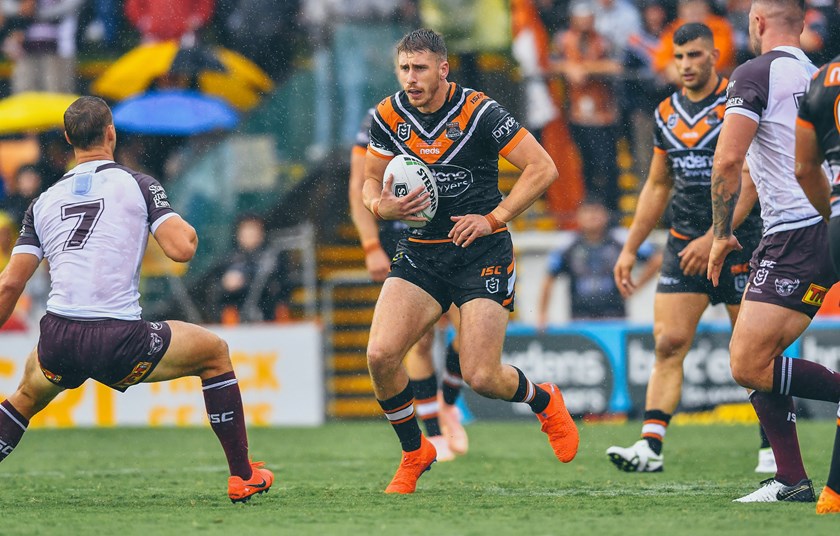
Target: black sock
x=426, y=403
x=452, y=379
x=530, y=393
x=834, y=471
x=654, y=428
x=399, y=410
x=765, y=443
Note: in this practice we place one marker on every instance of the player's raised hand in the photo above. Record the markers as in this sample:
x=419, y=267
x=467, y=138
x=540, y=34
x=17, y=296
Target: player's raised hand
x=622, y=273
x=720, y=249
x=405, y=207
x=469, y=228
x=694, y=258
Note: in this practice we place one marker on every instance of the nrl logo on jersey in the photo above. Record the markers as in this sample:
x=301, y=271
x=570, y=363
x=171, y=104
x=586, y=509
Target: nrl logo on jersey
x=453, y=130
x=672, y=120
x=403, y=131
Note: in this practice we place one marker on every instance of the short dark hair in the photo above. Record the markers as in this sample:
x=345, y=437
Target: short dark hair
x=421, y=40
x=691, y=31
x=85, y=121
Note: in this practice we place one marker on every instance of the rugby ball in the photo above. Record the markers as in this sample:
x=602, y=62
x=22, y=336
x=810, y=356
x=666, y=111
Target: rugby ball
x=410, y=172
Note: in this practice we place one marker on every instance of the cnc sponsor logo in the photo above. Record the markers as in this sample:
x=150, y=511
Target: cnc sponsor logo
x=814, y=295
x=507, y=126
x=785, y=287
x=403, y=131
x=452, y=180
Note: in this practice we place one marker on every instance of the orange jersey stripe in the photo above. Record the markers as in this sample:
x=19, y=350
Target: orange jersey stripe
x=804, y=124
x=511, y=145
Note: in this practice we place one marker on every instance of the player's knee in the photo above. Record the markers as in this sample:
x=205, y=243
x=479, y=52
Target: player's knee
x=743, y=374
x=218, y=360
x=669, y=345
x=483, y=381
x=381, y=360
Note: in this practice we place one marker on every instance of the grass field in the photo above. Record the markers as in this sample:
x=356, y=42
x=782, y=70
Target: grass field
x=330, y=481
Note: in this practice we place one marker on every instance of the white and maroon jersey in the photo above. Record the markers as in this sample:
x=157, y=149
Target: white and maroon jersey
x=92, y=226
x=768, y=89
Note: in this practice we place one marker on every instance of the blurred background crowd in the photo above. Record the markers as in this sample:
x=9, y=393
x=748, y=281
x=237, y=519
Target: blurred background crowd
x=246, y=110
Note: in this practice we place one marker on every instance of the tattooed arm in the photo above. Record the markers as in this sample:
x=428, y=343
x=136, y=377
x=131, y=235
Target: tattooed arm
x=734, y=140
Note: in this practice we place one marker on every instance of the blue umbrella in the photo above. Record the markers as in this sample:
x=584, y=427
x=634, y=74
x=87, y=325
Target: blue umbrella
x=174, y=113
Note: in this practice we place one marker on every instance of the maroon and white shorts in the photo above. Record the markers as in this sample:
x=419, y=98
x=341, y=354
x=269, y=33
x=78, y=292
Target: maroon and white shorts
x=792, y=269
x=117, y=353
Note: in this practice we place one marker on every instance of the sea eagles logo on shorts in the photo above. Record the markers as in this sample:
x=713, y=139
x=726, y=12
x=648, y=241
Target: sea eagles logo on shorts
x=492, y=285
x=155, y=344
x=672, y=120
x=403, y=131
x=453, y=130
x=785, y=287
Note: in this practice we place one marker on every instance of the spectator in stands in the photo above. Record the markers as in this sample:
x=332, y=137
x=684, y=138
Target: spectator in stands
x=738, y=15
x=253, y=27
x=584, y=61
x=55, y=157
x=617, y=20
x=588, y=262
x=643, y=87
x=161, y=20
x=43, y=48
x=821, y=36
x=696, y=11
x=27, y=188
x=353, y=61
x=254, y=275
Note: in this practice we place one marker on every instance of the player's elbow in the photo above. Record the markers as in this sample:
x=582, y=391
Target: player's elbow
x=547, y=172
x=183, y=250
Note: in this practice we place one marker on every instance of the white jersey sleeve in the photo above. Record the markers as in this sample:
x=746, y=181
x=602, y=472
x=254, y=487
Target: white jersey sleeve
x=92, y=226
x=768, y=89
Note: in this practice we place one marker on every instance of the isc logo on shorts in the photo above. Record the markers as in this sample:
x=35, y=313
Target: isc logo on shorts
x=814, y=295
x=491, y=270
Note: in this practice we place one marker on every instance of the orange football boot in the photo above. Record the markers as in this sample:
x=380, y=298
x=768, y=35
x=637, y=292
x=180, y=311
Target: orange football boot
x=559, y=425
x=412, y=467
x=241, y=490
x=829, y=502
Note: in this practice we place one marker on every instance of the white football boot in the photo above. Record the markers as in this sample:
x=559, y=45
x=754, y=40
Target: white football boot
x=766, y=461
x=638, y=457
x=772, y=490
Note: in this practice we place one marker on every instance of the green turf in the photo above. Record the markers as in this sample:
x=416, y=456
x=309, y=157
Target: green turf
x=330, y=481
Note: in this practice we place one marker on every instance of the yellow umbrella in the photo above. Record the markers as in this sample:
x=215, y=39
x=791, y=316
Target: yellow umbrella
x=237, y=79
x=33, y=111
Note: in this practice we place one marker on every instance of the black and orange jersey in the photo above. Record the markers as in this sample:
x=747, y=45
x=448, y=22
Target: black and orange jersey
x=461, y=143
x=819, y=110
x=687, y=132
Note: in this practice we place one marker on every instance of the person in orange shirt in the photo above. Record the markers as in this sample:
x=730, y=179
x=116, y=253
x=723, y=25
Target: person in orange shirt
x=695, y=11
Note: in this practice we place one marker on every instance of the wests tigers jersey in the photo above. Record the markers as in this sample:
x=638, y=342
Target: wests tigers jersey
x=687, y=132
x=92, y=226
x=819, y=110
x=461, y=144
